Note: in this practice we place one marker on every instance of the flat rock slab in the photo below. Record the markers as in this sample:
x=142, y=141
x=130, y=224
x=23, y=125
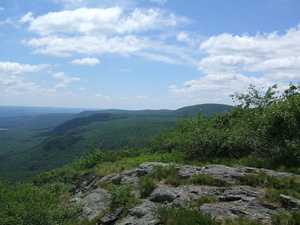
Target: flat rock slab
x=253, y=210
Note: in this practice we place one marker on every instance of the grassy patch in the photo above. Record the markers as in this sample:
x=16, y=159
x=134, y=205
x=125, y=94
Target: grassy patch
x=203, y=179
x=204, y=199
x=242, y=221
x=122, y=197
x=184, y=216
x=286, y=218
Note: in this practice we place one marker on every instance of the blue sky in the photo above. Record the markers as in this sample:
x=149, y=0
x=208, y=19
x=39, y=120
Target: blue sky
x=144, y=54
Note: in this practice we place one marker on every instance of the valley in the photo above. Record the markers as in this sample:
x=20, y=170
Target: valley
x=31, y=143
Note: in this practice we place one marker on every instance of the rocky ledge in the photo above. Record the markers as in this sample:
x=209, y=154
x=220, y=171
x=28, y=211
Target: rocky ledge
x=236, y=198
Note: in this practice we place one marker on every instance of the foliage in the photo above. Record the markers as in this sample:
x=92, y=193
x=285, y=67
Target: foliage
x=184, y=216
x=282, y=218
x=146, y=186
x=265, y=125
x=203, y=179
x=122, y=197
x=274, y=186
x=204, y=199
x=28, y=204
x=242, y=221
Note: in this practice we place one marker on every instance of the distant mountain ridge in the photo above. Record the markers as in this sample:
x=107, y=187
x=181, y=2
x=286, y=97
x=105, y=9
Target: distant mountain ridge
x=49, y=141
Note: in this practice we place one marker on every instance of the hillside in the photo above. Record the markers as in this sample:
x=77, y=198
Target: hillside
x=235, y=168
x=43, y=142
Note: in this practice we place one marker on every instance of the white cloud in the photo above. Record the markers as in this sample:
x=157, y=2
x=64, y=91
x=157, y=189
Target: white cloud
x=268, y=45
x=1, y=9
x=159, y=58
x=54, y=45
x=65, y=79
x=184, y=37
x=216, y=87
x=89, y=21
x=86, y=61
x=26, y=18
x=17, y=68
x=229, y=60
x=261, y=53
x=215, y=63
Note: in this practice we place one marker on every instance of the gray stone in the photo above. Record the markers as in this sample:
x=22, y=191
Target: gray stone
x=140, y=215
x=86, y=183
x=163, y=194
x=113, y=178
x=253, y=210
x=245, y=193
x=191, y=192
x=148, y=167
x=95, y=203
x=289, y=202
x=186, y=172
x=228, y=174
x=111, y=217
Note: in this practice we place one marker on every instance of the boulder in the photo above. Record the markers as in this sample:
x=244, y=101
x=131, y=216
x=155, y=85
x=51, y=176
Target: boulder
x=289, y=202
x=163, y=194
x=140, y=215
x=94, y=203
x=245, y=193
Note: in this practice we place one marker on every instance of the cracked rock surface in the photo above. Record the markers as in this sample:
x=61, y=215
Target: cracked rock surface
x=236, y=199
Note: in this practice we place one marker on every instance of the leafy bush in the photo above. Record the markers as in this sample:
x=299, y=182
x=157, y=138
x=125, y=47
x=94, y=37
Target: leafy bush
x=122, y=197
x=28, y=204
x=265, y=125
x=146, y=185
x=184, y=216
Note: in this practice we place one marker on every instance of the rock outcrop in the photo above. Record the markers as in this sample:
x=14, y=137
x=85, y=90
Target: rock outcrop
x=232, y=201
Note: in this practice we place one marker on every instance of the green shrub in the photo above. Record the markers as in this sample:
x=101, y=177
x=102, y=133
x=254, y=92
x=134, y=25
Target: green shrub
x=122, y=197
x=146, y=185
x=28, y=204
x=184, y=216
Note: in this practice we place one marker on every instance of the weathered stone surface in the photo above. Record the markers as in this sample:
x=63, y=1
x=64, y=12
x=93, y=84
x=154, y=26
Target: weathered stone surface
x=113, y=178
x=237, y=200
x=140, y=215
x=163, y=194
x=245, y=193
x=192, y=192
x=94, y=203
x=253, y=210
x=228, y=174
x=111, y=217
x=148, y=167
x=187, y=171
x=279, y=174
x=289, y=202
x=85, y=183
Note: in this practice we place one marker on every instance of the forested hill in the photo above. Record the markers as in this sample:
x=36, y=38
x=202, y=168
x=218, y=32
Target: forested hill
x=195, y=173
x=32, y=144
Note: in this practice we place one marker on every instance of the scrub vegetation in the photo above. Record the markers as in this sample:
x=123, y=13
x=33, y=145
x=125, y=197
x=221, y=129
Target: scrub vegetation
x=262, y=131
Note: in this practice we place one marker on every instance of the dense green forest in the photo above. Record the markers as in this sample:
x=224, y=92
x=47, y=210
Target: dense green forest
x=262, y=131
x=37, y=143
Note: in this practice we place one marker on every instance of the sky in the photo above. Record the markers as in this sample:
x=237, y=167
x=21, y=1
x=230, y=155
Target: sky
x=144, y=54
